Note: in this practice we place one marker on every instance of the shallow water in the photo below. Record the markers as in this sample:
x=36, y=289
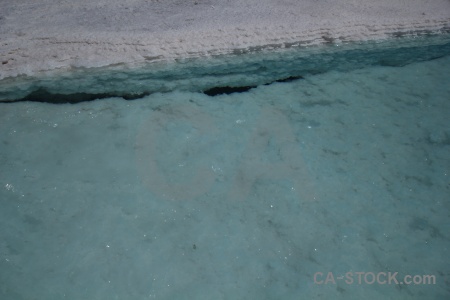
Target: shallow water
x=179, y=195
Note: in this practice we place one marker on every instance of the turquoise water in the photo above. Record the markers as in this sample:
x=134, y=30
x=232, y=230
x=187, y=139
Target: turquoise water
x=179, y=195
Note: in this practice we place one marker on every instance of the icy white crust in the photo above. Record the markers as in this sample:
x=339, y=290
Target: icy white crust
x=61, y=35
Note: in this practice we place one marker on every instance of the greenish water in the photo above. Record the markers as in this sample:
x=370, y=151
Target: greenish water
x=255, y=195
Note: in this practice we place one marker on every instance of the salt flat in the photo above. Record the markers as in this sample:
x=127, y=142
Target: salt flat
x=60, y=35
x=179, y=195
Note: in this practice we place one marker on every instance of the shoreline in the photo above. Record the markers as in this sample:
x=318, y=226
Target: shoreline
x=56, y=44
x=236, y=70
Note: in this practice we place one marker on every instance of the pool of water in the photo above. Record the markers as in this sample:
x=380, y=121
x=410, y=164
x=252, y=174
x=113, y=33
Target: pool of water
x=274, y=193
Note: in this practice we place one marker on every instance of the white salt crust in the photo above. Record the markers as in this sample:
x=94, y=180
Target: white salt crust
x=60, y=35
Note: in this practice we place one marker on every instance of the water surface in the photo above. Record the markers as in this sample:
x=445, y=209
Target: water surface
x=179, y=195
